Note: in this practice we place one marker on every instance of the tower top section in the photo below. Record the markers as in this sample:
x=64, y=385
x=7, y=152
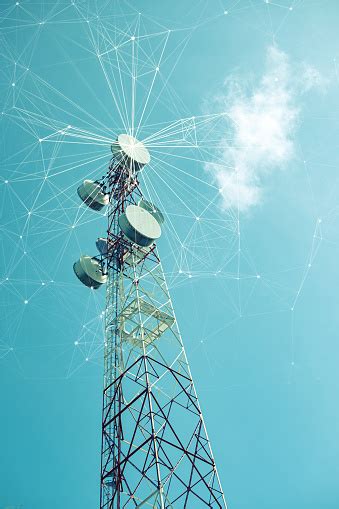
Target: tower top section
x=130, y=152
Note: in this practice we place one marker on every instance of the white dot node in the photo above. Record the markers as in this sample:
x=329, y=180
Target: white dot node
x=76, y=343
x=197, y=218
x=42, y=284
x=25, y=301
x=258, y=276
x=20, y=236
x=290, y=8
x=225, y=12
x=13, y=84
x=6, y=181
x=133, y=38
x=157, y=68
x=310, y=265
x=190, y=275
x=87, y=359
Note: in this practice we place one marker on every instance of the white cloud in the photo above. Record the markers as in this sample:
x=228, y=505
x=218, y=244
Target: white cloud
x=264, y=122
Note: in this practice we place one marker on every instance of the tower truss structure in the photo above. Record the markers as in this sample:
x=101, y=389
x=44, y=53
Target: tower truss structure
x=155, y=448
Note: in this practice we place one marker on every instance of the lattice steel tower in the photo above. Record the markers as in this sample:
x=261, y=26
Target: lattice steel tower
x=155, y=449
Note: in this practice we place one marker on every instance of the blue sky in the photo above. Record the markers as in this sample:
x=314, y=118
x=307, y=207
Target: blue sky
x=249, y=189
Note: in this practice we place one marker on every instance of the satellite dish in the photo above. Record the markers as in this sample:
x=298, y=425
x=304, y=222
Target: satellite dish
x=152, y=209
x=91, y=193
x=89, y=271
x=102, y=245
x=139, y=225
x=130, y=152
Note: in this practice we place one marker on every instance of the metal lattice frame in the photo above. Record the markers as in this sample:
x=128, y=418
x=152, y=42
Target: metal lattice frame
x=155, y=448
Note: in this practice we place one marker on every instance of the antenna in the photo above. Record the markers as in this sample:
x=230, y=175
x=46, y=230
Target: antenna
x=155, y=449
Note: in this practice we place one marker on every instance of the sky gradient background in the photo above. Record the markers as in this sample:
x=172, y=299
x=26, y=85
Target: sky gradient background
x=250, y=246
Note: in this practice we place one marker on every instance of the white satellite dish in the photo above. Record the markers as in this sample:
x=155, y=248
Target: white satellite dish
x=152, y=209
x=91, y=193
x=102, y=245
x=89, y=271
x=139, y=225
x=131, y=152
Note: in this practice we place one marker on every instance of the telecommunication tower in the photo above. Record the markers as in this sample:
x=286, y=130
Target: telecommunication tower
x=155, y=450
